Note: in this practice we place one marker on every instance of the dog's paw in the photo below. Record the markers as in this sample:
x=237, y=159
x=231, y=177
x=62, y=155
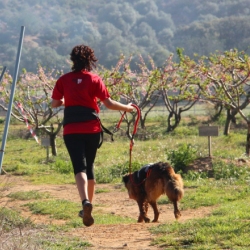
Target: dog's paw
x=147, y=220
x=154, y=221
x=140, y=219
x=177, y=215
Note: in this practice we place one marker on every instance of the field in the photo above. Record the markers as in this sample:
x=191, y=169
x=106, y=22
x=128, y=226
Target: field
x=39, y=201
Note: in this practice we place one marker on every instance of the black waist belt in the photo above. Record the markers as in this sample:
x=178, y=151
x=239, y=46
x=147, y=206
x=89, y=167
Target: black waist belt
x=73, y=114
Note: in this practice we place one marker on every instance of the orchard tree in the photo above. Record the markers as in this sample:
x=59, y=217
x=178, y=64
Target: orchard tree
x=218, y=108
x=143, y=87
x=224, y=79
x=179, y=88
x=139, y=87
x=32, y=102
x=115, y=81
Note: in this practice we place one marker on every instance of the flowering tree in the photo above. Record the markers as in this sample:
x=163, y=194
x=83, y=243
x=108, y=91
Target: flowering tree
x=175, y=83
x=138, y=87
x=143, y=87
x=224, y=78
x=179, y=88
x=116, y=82
x=32, y=102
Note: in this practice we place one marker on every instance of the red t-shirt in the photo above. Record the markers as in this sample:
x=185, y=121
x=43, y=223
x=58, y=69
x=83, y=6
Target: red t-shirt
x=81, y=89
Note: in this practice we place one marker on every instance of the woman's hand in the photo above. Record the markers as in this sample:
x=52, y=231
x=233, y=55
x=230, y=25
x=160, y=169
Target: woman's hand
x=130, y=108
x=57, y=103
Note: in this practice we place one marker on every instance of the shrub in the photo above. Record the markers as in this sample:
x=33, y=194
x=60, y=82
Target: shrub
x=223, y=170
x=182, y=157
x=63, y=167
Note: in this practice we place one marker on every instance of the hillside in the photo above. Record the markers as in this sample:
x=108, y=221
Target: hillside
x=154, y=28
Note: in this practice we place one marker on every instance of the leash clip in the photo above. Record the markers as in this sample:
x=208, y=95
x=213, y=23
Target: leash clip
x=115, y=129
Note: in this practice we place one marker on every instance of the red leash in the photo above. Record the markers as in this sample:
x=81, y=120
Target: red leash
x=131, y=146
x=134, y=131
x=132, y=142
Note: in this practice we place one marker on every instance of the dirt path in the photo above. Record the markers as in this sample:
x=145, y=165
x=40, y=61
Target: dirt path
x=123, y=236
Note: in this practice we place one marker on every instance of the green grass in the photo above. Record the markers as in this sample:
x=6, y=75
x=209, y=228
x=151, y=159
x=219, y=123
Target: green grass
x=228, y=192
x=65, y=210
x=56, y=209
x=27, y=158
x=109, y=219
x=217, y=192
x=64, y=242
x=101, y=190
x=30, y=195
x=228, y=227
x=11, y=219
x=20, y=233
x=101, y=218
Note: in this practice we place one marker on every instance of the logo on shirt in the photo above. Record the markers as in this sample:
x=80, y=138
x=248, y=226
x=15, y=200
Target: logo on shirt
x=77, y=81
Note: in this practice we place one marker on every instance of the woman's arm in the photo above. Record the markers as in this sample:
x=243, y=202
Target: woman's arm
x=57, y=103
x=114, y=105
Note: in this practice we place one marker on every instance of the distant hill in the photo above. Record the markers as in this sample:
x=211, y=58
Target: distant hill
x=155, y=28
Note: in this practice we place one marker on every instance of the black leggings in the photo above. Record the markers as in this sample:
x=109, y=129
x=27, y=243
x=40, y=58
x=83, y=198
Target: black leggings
x=82, y=150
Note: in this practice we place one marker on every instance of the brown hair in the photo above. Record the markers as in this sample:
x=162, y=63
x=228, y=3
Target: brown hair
x=83, y=57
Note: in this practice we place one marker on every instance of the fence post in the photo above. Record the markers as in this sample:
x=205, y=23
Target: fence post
x=7, y=120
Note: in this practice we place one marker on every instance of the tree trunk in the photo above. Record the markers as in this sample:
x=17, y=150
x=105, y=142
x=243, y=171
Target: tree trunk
x=52, y=138
x=228, y=123
x=142, y=121
x=218, y=109
x=230, y=118
x=227, y=127
x=176, y=121
x=248, y=140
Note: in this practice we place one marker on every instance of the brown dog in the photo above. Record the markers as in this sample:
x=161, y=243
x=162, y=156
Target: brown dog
x=149, y=183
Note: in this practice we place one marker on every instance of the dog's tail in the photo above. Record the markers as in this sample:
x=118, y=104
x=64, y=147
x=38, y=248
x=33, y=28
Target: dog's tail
x=174, y=190
x=174, y=187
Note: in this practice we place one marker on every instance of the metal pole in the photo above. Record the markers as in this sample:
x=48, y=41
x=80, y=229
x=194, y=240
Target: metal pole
x=209, y=144
x=209, y=147
x=2, y=74
x=47, y=153
x=7, y=120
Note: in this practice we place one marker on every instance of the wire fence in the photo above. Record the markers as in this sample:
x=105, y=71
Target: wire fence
x=158, y=111
x=200, y=109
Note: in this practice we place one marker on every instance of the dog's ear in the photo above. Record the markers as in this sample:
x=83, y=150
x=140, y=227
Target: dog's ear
x=125, y=178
